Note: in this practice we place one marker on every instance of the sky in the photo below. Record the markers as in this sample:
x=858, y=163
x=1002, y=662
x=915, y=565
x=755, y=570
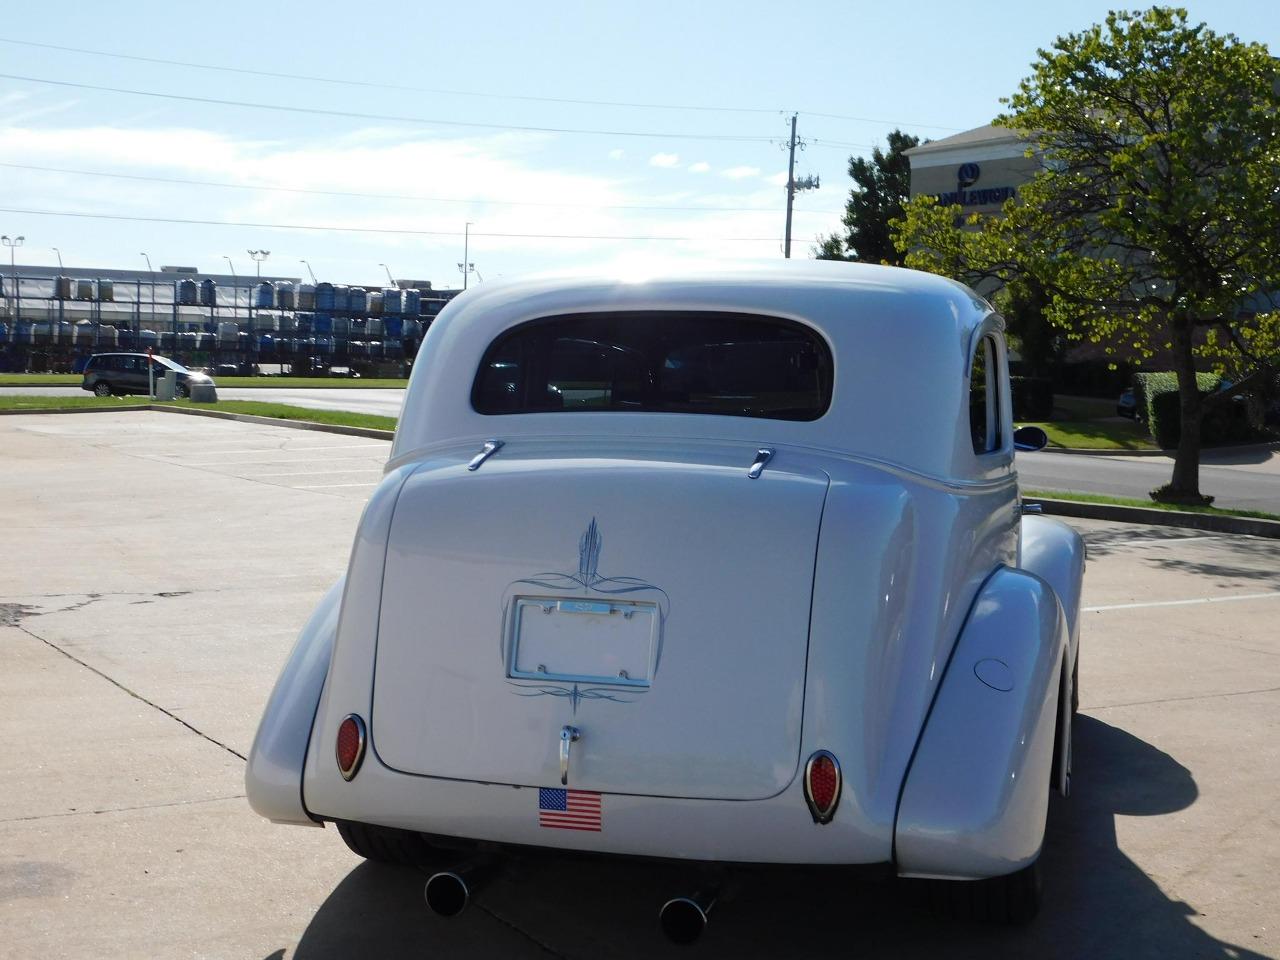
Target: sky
x=570, y=136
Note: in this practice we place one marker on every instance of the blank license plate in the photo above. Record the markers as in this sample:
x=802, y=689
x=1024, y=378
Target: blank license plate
x=583, y=641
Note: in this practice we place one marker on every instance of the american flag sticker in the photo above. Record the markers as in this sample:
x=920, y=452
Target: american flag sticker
x=569, y=809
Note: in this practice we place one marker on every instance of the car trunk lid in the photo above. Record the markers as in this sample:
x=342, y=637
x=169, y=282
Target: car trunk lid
x=659, y=606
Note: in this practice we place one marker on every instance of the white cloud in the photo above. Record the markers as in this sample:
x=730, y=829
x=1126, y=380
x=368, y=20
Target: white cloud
x=740, y=173
x=617, y=153
x=778, y=179
x=700, y=167
x=504, y=238
x=664, y=160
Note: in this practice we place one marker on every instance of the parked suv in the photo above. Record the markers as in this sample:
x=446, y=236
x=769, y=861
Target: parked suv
x=111, y=373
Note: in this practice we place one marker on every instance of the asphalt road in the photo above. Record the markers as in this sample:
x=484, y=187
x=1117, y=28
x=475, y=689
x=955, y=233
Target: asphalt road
x=140, y=636
x=1249, y=481
x=1239, y=480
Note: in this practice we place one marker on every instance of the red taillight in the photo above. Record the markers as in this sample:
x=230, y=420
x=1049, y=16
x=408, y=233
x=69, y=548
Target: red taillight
x=350, y=747
x=822, y=785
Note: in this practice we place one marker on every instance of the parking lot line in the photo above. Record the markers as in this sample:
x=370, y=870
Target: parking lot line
x=326, y=486
x=1181, y=603
x=316, y=473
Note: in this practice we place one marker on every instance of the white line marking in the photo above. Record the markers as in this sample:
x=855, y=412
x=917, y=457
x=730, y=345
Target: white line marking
x=326, y=486
x=313, y=473
x=1172, y=539
x=1182, y=603
x=169, y=451
x=274, y=462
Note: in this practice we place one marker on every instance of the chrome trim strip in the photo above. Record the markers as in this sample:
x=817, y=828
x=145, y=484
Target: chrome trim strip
x=822, y=816
x=348, y=774
x=488, y=450
x=763, y=456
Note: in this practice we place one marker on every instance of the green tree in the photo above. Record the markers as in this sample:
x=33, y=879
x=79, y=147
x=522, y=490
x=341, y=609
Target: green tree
x=882, y=186
x=1153, y=218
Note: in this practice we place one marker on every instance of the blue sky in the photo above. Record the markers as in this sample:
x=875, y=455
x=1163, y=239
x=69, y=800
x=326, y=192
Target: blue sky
x=700, y=182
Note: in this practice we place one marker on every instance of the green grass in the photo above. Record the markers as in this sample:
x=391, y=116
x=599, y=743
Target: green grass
x=1149, y=504
x=333, y=383
x=280, y=411
x=1096, y=434
x=40, y=379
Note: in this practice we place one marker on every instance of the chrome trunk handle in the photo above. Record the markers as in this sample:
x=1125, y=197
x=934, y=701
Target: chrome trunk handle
x=488, y=450
x=568, y=736
x=763, y=456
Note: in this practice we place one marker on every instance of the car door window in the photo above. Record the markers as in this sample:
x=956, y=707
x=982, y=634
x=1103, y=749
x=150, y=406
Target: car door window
x=984, y=398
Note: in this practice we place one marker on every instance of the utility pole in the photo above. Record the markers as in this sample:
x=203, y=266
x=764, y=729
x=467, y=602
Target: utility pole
x=794, y=186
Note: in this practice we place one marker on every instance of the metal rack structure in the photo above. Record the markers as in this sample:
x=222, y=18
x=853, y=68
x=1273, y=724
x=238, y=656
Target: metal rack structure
x=55, y=323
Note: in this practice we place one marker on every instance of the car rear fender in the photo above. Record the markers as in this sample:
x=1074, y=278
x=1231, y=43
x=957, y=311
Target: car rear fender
x=976, y=793
x=273, y=776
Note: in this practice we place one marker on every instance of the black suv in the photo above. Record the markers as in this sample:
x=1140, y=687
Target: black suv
x=110, y=373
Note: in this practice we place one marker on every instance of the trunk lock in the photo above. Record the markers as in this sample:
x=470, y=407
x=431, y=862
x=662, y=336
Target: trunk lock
x=569, y=735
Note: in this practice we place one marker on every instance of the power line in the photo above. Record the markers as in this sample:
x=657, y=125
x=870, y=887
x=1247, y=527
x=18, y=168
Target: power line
x=375, y=196
x=329, y=228
x=369, y=84
x=393, y=118
x=900, y=123
x=384, y=86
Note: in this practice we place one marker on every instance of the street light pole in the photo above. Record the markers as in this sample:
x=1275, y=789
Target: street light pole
x=59, y=253
x=258, y=257
x=12, y=243
x=390, y=279
x=466, y=265
x=151, y=271
x=309, y=270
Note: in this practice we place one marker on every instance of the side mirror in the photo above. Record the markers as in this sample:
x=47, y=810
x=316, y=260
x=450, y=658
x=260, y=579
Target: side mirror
x=1030, y=439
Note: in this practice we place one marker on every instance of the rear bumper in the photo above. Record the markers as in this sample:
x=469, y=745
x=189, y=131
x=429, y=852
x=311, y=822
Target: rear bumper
x=778, y=830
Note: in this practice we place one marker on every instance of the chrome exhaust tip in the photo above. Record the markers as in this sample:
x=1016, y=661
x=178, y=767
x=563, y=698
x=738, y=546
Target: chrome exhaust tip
x=448, y=892
x=684, y=919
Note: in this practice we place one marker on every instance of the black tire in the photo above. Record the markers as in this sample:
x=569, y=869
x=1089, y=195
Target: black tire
x=1012, y=900
x=1075, y=686
x=102, y=389
x=387, y=844
x=181, y=391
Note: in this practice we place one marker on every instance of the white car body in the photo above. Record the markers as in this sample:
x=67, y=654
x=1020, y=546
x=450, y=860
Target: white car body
x=874, y=592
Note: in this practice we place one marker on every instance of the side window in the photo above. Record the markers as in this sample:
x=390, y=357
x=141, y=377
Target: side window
x=984, y=398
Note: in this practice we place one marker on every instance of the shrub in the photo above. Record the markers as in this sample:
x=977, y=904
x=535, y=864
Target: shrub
x=1156, y=395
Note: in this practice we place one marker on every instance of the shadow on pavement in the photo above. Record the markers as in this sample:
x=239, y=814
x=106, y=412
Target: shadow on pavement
x=1098, y=902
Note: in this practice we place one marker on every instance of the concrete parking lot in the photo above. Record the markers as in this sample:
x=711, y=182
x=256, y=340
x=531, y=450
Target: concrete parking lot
x=155, y=568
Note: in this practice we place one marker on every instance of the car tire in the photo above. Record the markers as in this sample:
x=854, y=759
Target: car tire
x=181, y=391
x=1075, y=687
x=387, y=844
x=102, y=389
x=1011, y=900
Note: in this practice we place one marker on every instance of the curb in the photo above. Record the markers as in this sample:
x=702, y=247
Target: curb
x=1250, y=526
x=1082, y=451
x=368, y=432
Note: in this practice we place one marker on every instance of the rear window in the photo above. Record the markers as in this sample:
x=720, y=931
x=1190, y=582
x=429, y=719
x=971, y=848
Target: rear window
x=670, y=362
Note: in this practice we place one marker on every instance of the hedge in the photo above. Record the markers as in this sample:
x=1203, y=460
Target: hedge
x=1156, y=395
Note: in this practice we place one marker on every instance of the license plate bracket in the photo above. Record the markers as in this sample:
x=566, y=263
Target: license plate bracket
x=583, y=640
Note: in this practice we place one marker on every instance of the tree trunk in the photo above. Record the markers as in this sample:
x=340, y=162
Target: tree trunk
x=1185, y=485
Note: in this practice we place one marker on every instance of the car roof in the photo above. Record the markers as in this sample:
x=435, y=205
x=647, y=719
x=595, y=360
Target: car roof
x=894, y=334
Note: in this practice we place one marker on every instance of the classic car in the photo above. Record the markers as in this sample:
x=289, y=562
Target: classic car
x=656, y=569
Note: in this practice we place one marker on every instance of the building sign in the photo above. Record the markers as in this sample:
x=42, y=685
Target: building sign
x=966, y=177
